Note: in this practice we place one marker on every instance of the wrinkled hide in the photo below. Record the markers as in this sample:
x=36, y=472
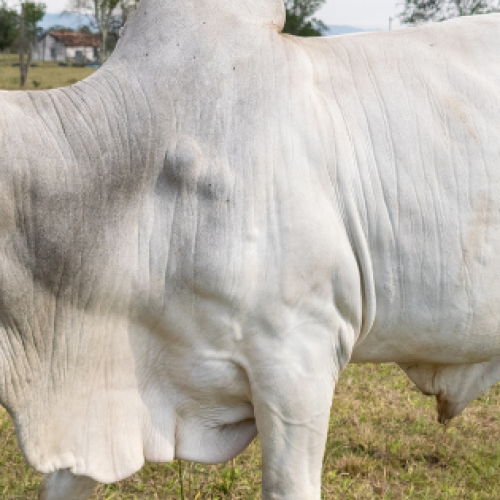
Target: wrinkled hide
x=197, y=239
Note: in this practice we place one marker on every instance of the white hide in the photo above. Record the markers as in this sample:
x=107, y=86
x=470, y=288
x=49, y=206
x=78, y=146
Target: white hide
x=197, y=239
x=455, y=386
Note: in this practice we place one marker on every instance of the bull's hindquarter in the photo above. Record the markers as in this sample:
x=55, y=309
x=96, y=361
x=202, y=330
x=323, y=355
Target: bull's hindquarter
x=200, y=237
x=424, y=131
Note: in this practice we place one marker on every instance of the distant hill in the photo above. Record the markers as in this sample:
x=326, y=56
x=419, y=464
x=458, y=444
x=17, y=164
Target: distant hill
x=343, y=30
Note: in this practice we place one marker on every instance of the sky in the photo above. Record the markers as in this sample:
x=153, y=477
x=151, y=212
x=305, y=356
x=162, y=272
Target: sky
x=359, y=13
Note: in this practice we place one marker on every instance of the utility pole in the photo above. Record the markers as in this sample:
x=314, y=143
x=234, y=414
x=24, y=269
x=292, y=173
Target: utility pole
x=390, y=23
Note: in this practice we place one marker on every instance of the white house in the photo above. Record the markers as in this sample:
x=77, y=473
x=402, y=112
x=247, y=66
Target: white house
x=64, y=46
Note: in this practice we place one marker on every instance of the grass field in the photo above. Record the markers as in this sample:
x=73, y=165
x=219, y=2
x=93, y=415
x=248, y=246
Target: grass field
x=44, y=76
x=384, y=441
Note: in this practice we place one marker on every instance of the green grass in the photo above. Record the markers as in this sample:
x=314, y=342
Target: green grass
x=44, y=76
x=384, y=442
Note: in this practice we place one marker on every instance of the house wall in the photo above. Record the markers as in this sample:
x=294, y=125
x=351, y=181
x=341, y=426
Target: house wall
x=87, y=52
x=49, y=49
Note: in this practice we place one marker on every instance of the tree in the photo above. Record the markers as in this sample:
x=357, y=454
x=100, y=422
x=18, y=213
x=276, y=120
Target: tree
x=31, y=14
x=420, y=11
x=8, y=25
x=103, y=17
x=126, y=7
x=299, y=20
x=9, y=21
x=103, y=12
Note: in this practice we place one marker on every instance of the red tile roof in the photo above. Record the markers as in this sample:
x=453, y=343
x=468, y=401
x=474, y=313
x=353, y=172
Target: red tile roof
x=77, y=39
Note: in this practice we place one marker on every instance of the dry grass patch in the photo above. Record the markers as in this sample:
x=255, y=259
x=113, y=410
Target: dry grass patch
x=384, y=442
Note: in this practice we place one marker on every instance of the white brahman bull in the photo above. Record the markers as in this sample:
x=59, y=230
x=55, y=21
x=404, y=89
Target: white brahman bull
x=197, y=239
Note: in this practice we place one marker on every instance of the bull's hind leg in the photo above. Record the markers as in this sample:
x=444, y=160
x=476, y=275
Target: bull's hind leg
x=63, y=485
x=292, y=390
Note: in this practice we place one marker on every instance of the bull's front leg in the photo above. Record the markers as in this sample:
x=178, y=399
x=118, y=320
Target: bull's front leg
x=63, y=485
x=292, y=390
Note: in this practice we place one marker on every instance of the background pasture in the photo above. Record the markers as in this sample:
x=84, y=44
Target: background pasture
x=42, y=76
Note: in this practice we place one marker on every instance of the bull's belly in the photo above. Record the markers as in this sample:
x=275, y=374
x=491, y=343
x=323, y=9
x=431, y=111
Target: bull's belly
x=438, y=301
x=440, y=346
x=461, y=325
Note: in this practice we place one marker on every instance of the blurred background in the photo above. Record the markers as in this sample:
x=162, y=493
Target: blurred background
x=58, y=42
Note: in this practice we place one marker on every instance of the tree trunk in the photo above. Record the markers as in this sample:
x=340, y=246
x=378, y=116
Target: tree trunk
x=23, y=69
x=29, y=55
x=102, y=48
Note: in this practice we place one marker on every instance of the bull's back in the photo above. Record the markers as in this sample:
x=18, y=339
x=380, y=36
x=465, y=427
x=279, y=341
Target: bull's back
x=417, y=135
